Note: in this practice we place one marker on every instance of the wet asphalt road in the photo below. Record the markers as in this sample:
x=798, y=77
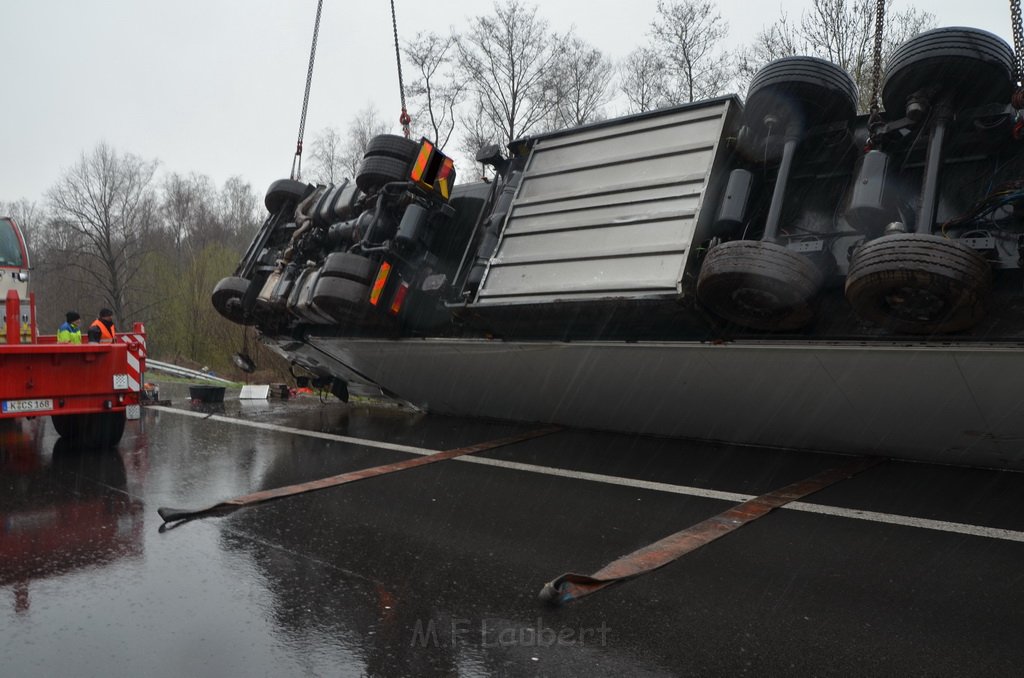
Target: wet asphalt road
x=435, y=571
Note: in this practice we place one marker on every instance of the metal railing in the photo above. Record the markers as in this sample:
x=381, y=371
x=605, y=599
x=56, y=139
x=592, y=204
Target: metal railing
x=179, y=371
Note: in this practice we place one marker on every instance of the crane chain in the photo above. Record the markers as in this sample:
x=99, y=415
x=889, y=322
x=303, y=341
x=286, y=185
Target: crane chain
x=404, y=119
x=1018, y=40
x=297, y=160
x=880, y=20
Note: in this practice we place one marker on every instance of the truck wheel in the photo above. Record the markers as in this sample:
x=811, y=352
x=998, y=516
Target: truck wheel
x=227, y=299
x=392, y=146
x=378, y=170
x=799, y=89
x=913, y=283
x=101, y=430
x=68, y=426
x=348, y=265
x=105, y=429
x=284, y=192
x=972, y=66
x=342, y=299
x=759, y=285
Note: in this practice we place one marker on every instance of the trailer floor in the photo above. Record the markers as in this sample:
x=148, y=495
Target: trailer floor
x=906, y=569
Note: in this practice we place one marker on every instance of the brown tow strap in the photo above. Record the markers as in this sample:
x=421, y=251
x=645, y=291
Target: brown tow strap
x=172, y=514
x=572, y=586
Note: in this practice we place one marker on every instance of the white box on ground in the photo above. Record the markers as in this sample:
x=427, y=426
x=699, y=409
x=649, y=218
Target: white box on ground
x=255, y=392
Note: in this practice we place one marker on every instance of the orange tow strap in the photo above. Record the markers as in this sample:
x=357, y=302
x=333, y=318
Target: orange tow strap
x=172, y=514
x=572, y=586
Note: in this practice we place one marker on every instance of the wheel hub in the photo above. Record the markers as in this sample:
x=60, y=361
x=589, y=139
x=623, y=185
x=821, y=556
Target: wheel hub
x=756, y=301
x=913, y=303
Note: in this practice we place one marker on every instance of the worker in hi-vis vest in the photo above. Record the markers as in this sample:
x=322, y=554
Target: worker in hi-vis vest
x=70, y=332
x=102, y=329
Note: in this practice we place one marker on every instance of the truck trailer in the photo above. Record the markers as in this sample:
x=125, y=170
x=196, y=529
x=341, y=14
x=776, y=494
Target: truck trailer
x=779, y=271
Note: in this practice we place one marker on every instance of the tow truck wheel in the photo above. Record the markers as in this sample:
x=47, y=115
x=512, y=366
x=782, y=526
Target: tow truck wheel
x=348, y=265
x=102, y=430
x=913, y=283
x=227, y=299
x=344, y=300
x=799, y=89
x=68, y=426
x=759, y=285
x=378, y=170
x=392, y=146
x=971, y=66
x=284, y=192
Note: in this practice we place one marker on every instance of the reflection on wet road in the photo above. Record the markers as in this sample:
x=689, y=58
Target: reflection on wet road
x=435, y=570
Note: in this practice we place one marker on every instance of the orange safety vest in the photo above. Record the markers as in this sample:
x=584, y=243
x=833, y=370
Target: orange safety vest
x=106, y=336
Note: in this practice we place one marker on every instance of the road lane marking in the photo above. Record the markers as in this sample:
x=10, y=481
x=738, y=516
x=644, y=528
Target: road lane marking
x=699, y=492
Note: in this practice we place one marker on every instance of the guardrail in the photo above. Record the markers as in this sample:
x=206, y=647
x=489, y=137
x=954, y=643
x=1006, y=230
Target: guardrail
x=179, y=371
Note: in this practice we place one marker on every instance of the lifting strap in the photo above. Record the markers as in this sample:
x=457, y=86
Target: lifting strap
x=572, y=586
x=171, y=514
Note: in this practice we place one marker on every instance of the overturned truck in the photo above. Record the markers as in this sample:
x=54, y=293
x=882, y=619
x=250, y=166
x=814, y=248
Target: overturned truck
x=780, y=272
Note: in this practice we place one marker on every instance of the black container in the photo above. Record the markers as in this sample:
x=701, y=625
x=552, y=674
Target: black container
x=207, y=394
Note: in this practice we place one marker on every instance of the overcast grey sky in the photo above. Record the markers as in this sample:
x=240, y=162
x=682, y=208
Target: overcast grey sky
x=215, y=86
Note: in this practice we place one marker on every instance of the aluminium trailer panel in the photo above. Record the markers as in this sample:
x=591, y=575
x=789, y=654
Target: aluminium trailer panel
x=613, y=210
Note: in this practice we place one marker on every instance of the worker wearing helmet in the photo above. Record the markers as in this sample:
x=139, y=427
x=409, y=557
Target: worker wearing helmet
x=102, y=329
x=69, y=332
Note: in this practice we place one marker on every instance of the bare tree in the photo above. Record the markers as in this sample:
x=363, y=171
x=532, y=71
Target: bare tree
x=436, y=92
x=687, y=34
x=365, y=126
x=107, y=202
x=643, y=81
x=240, y=210
x=504, y=59
x=580, y=81
x=781, y=39
x=841, y=31
x=477, y=131
x=328, y=155
x=188, y=208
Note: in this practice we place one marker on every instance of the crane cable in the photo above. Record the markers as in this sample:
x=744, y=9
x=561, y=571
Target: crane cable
x=875, y=119
x=297, y=160
x=404, y=119
x=1018, y=57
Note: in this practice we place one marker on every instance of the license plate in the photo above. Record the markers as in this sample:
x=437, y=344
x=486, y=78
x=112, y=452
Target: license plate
x=38, y=405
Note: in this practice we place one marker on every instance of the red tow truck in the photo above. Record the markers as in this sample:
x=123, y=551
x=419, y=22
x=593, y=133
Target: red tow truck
x=89, y=390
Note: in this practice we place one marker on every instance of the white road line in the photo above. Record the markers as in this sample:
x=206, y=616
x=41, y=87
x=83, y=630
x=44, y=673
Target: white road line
x=734, y=497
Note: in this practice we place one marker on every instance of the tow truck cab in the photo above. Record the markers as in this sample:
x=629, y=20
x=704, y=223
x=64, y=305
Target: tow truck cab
x=14, y=262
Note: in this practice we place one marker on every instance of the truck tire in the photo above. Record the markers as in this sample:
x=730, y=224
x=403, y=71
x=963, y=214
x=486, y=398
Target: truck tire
x=971, y=66
x=759, y=285
x=227, y=299
x=348, y=265
x=913, y=283
x=68, y=426
x=392, y=146
x=799, y=89
x=346, y=301
x=284, y=192
x=101, y=430
x=378, y=170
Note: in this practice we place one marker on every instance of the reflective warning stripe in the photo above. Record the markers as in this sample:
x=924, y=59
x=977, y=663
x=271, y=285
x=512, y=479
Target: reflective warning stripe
x=134, y=358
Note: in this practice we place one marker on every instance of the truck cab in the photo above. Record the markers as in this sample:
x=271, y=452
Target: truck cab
x=14, y=262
